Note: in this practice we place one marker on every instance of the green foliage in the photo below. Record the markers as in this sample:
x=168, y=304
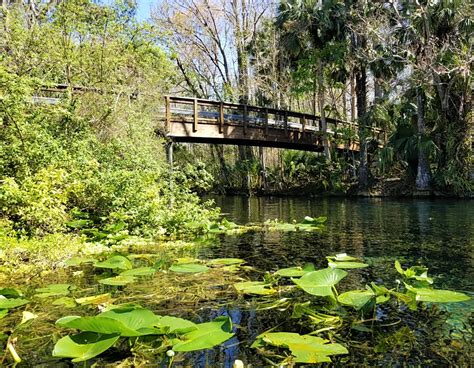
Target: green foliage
x=90, y=160
x=102, y=331
x=304, y=348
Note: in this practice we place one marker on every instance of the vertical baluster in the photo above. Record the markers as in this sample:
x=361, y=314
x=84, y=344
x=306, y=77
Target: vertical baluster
x=266, y=122
x=196, y=115
x=168, y=113
x=221, y=117
x=285, y=119
x=245, y=119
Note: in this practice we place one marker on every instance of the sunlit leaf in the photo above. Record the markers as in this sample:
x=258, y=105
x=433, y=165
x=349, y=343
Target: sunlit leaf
x=189, y=268
x=295, y=271
x=94, y=299
x=12, y=303
x=54, y=290
x=205, y=336
x=115, y=262
x=437, y=296
x=140, y=271
x=225, y=261
x=254, y=287
x=305, y=348
x=65, y=301
x=119, y=280
x=83, y=346
x=356, y=298
x=320, y=282
x=347, y=265
x=77, y=261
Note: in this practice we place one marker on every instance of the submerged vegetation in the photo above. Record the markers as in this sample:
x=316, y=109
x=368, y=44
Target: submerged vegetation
x=326, y=316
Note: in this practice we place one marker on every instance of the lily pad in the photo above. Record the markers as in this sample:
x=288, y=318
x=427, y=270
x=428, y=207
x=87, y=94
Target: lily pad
x=225, y=261
x=347, y=265
x=3, y=313
x=356, y=298
x=94, y=299
x=77, y=261
x=189, y=268
x=83, y=346
x=115, y=262
x=119, y=280
x=254, y=287
x=54, y=290
x=295, y=271
x=305, y=348
x=11, y=292
x=205, y=336
x=12, y=303
x=437, y=296
x=125, y=322
x=320, y=282
x=65, y=301
x=140, y=271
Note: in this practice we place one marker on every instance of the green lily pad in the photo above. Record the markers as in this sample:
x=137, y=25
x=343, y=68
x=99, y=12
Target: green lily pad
x=437, y=296
x=189, y=268
x=77, y=261
x=356, y=298
x=140, y=271
x=3, y=313
x=320, y=282
x=305, y=348
x=347, y=265
x=119, y=280
x=125, y=322
x=12, y=303
x=115, y=262
x=65, y=301
x=54, y=290
x=11, y=292
x=205, y=336
x=254, y=287
x=94, y=299
x=225, y=261
x=295, y=271
x=83, y=346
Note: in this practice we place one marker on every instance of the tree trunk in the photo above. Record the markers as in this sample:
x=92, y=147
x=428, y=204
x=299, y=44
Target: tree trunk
x=361, y=93
x=324, y=125
x=423, y=175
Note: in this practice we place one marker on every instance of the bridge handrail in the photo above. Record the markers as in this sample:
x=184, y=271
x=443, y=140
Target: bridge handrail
x=266, y=110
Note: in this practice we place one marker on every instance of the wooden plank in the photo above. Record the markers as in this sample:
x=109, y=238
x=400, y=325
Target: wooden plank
x=167, y=112
x=221, y=117
x=245, y=120
x=196, y=115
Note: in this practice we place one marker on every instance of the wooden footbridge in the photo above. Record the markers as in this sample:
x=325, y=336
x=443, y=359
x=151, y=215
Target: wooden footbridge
x=205, y=121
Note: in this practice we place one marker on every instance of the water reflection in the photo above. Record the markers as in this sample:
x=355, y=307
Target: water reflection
x=437, y=233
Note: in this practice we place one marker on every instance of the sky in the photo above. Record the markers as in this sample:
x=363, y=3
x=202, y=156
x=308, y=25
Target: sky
x=143, y=9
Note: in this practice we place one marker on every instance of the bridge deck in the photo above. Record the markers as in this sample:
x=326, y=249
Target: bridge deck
x=205, y=121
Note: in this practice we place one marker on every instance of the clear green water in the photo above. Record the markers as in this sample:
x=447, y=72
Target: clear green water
x=438, y=234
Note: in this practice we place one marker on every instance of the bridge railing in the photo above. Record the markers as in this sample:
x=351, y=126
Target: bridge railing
x=201, y=111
